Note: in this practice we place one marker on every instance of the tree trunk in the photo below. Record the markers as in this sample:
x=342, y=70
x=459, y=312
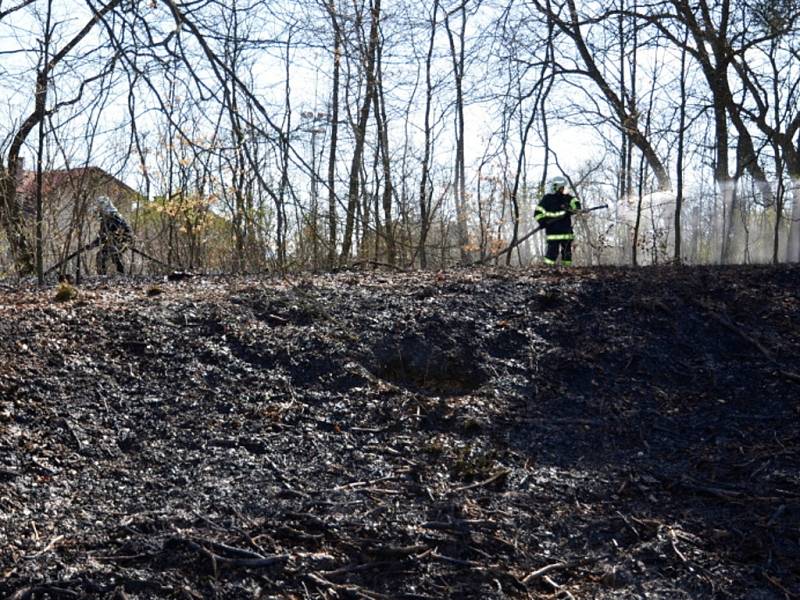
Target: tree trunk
x=361, y=133
x=383, y=139
x=681, y=149
x=460, y=180
x=424, y=193
x=337, y=60
x=41, y=102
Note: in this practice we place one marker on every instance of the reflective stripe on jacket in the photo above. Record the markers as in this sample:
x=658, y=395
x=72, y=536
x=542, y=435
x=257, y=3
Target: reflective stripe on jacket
x=554, y=211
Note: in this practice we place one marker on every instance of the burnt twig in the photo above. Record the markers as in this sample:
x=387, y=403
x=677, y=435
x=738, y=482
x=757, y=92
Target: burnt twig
x=485, y=482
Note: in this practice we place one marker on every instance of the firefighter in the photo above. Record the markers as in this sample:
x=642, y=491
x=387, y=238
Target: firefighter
x=555, y=211
x=114, y=237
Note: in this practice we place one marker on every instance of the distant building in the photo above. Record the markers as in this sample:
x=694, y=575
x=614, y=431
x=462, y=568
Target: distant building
x=68, y=207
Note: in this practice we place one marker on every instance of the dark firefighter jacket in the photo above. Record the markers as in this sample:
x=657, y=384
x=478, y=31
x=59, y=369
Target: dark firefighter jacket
x=114, y=231
x=554, y=211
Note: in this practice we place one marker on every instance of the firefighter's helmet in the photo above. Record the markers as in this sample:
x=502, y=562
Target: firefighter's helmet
x=104, y=205
x=557, y=183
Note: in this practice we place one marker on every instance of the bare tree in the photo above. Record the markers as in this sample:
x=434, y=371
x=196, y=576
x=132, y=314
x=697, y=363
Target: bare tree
x=425, y=191
x=10, y=214
x=369, y=60
x=334, y=147
x=627, y=113
x=381, y=121
x=680, y=157
x=459, y=175
x=778, y=23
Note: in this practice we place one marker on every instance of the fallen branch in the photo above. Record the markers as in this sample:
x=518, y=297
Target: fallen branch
x=673, y=538
x=123, y=557
x=508, y=248
x=731, y=326
x=544, y=571
x=51, y=590
x=239, y=552
x=361, y=484
x=456, y=525
x=460, y=562
x=471, y=564
x=359, y=592
x=289, y=482
x=380, y=564
x=243, y=558
x=141, y=253
x=547, y=569
x=46, y=549
x=779, y=586
x=711, y=490
x=377, y=263
x=558, y=588
x=477, y=484
x=296, y=534
x=308, y=518
x=387, y=552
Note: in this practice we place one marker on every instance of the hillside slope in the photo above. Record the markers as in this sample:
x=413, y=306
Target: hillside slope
x=601, y=433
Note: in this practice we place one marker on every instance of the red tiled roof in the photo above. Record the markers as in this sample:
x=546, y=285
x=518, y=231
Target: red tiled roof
x=73, y=178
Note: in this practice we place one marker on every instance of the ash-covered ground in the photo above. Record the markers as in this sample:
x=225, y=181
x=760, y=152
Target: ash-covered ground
x=596, y=433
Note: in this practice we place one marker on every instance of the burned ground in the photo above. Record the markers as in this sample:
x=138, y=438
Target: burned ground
x=601, y=433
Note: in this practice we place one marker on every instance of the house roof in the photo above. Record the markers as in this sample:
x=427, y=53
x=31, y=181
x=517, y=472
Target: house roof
x=74, y=179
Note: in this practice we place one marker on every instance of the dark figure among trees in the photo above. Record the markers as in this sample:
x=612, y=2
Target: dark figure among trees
x=114, y=237
x=555, y=212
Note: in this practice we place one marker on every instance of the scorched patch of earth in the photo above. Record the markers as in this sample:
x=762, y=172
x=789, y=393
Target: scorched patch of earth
x=597, y=433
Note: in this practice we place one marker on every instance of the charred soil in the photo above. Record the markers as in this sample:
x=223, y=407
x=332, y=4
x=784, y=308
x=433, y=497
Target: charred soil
x=596, y=433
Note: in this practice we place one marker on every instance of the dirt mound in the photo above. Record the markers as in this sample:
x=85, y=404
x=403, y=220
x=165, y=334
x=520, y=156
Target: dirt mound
x=603, y=433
